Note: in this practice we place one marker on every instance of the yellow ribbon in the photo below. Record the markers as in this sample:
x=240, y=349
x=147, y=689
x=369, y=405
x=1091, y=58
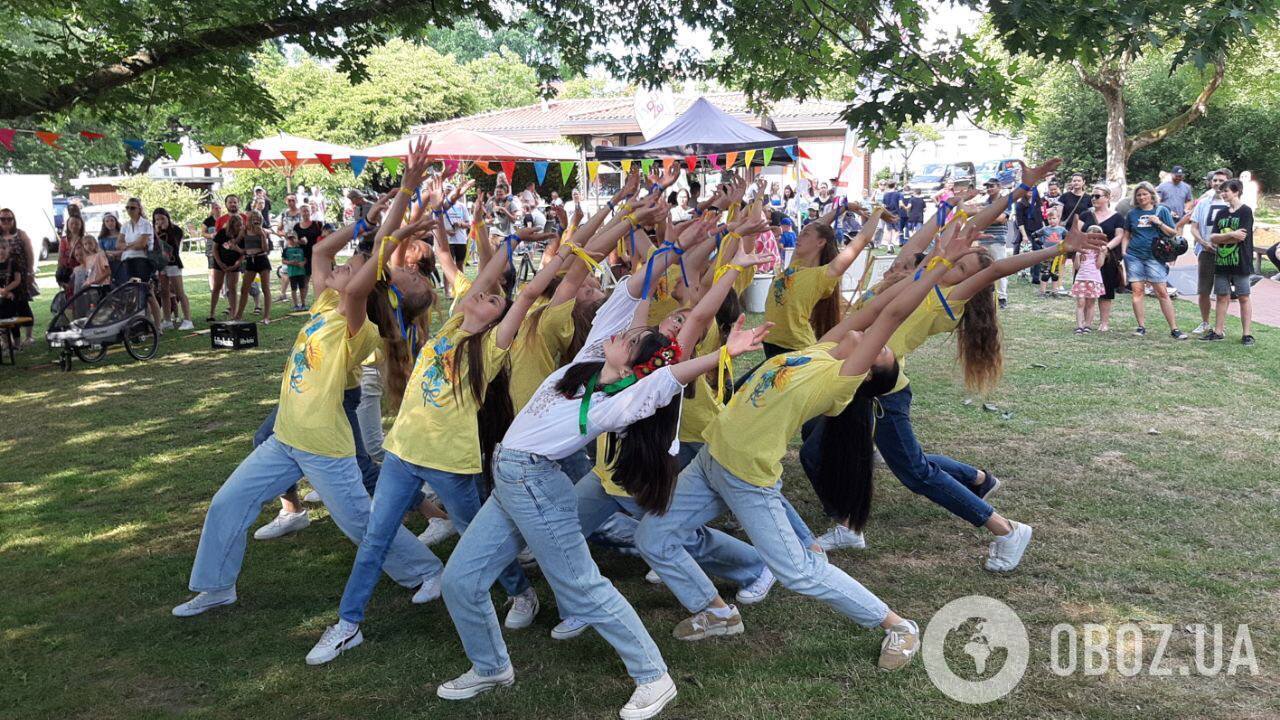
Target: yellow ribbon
x=382, y=256
x=586, y=257
x=732, y=211
x=631, y=218
x=938, y=259
x=724, y=366
x=720, y=271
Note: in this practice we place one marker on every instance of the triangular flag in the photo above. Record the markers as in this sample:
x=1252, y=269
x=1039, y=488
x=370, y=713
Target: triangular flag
x=508, y=169
x=540, y=170
x=89, y=135
x=645, y=164
x=626, y=166
x=691, y=161
x=392, y=164
x=290, y=156
x=173, y=149
x=253, y=154
x=326, y=160
x=49, y=138
x=216, y=151
x=450, y=166
x=666, y=163
x=6, y=138
x=357, y=164
x=768, y=156
x=729, y=159
x=714, y=159
x=484, y=167
x=803, y=154
x=135, y=145
x=593, y=167
x=748, y=155
x=791, y=150
x=566, y=168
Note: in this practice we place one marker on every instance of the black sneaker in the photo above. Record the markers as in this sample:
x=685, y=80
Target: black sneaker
x=1140, y=331
x=988, y=485
x=1210, y=336
x=1003, y=303
x=1247, y=341
x=1178, y=335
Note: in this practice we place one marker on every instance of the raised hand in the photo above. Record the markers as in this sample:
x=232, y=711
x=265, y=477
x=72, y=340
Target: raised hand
x=669, y=176
x=415, y=165
x=630, y=185
x=577, y=215
x=1035, y=175
x=746, y=259
x=750, y=225
x=742, y=340
x=416, y=228
x=1077, y=239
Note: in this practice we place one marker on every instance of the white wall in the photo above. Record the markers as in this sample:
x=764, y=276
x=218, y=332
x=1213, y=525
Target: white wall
x=31, y=199
x=961, y=141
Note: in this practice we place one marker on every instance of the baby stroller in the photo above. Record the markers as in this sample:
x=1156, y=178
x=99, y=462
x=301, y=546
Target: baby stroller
x=98, y=316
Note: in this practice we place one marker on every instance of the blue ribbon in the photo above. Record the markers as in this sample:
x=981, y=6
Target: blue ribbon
x=941, y=298
x=648, y=268
x=417, y=195
x=631, y=234
x=510, y=241
x=944, y=207
x=408, y=331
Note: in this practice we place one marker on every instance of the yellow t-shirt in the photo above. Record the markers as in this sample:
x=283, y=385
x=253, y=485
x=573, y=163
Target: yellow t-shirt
x=319, y=367
x=790, y=302
x=461, y=284
x=537, y=355
x=927, y=320
x=699, y=410
x=437, y=426
x=662, y=300
x=604, y=470
x=749, y=437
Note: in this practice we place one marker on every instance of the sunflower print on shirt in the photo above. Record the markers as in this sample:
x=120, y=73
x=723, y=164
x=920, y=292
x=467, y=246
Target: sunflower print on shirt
x=782, y=284
x=306, y=356
x=437, y=378
x=775, y=377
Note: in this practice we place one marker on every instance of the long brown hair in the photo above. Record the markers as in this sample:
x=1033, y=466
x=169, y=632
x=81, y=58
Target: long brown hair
x=826, y=313
x=397, y=356
x=493, y=397
x=979, y=340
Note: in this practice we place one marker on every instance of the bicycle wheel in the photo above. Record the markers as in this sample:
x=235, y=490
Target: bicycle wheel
x=141, y=339
x=91, y=354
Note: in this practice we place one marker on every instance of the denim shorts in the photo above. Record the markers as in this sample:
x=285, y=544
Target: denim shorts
x=1149, y=270
x=1231, y=284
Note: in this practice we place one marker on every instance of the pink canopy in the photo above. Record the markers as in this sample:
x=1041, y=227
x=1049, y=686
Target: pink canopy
x=460, y=144
x=275, y=151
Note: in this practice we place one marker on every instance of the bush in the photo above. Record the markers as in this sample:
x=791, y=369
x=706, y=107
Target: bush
x=187, y=207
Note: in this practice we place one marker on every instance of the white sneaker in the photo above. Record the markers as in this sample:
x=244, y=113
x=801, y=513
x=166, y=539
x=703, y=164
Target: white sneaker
x=312, y=497
x=469, y=684
x=1201, y=328
x=840, y=537
x=336, y=640
x=570, y=627
x=166, y=324
x=649, y=699
x=187, y=325
x=758, y=590
x=428, y=591
x=526, y=558
x=524, y=608
x=652, y=577
x=438, y=530
x=284, y=523
x=205, y=601
x=900, y=644
x=1006, y=552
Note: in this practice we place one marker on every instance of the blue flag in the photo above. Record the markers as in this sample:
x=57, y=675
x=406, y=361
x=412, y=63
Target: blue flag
x=357, y=164
x=540, y=169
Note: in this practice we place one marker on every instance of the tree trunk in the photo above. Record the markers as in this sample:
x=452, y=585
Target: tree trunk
x=1117, y=143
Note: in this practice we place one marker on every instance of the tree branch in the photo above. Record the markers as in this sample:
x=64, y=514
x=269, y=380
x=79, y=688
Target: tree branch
x=98, y=82
x=1193, y=113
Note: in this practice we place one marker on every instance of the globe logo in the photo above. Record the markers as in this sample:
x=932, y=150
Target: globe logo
x=975, y=649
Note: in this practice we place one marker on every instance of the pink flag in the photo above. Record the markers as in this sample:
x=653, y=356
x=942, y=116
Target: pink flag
x=253, y=154
x=6, y=138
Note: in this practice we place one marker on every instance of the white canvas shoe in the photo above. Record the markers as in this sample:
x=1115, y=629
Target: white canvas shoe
x=649, y=699
x=570, y=627
x=524, y=608
x=204, y=602
x=840, y=537
x=438, y=530
x=1006, y=552
x=758, y=590
x=469, y=684
x=284, y=523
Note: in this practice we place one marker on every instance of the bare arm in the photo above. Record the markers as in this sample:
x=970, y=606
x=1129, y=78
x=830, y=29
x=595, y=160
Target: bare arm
x=1075, y=241
x=510, y=325
x=850, y=252
x=740, y=341
x=702, y=314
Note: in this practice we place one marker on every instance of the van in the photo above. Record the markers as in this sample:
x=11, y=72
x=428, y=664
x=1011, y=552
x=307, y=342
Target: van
x=934, y=176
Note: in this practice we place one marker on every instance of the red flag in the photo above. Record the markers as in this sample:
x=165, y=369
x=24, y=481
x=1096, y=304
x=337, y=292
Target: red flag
x=291, y=156
x=326, y=160
x=49, y=138
x=691, y=161
x=6, y=138
x=253, y=154
x=87, y=135
x=508, y=169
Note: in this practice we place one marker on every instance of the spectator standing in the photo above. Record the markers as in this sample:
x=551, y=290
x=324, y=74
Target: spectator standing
x=232, y=204
x=173, y=294
x=295, y=262
x=574, y=204
x=995, y=238
x=228, y=258
x=1112, y=225
x=1201, y=222
x=1233, y=263
x=308, y=232
x=1050, y=235
x=1074, y=201
x=289, y=219
x=17, y=268
x=72, y=236
x=457, y=223
x=109, y=242
x=257, y=264
x=914, y=206
x=893, y=203
x=1175, y=194
x=683, y=210
x=1145, y=222
x=359, y=206
x=137, y=237
x=1030, y=218
x=503, y=211
x=260, y=196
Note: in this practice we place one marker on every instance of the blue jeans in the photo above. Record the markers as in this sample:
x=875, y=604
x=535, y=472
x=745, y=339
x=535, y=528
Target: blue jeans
x=705, y=489
x=945, y=481
x=577, y=465
x=534, y=499
x=268, y=471
x=398, y=484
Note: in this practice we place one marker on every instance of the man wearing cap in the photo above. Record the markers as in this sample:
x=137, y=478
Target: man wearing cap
x=1175, y=194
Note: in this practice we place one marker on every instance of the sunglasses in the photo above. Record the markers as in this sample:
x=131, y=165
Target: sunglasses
x=6, y=219
x=132, y=207
x=1098, y=195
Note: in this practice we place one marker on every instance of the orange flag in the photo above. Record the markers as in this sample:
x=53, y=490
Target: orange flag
x=729, y=159
x=49, y=138
x=291, y=156
x=484, y=167
x=666, y=163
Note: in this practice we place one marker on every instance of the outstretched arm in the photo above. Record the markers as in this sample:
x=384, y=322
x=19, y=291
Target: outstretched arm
x=849, y=253
x=702, y=314
x=740, y=341
x=1075, y=241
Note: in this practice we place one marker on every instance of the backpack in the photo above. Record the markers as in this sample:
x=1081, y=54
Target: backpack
x=1166, y=249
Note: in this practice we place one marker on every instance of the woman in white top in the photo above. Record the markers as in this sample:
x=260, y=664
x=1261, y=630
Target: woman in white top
x=137, y=236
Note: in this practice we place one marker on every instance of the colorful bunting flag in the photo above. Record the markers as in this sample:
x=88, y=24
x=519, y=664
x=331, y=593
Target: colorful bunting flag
x=173, y=149
x=6, y=138
x=803, y=154
x=714, y=159
x=667, y=163
x=135, y=145
x=508, y=169
x=290, y=156
x=593, y=167
x=88, y=135
x=626, y=166
x=768, y=156
x=566, y=167
x=253, y=154
x=450, y=166
x=791, y=150
x=216, y=151
x=748, y=156
x=49, y=138
x=326, y=160
x=357, y=164
x=540, y=170
x=729, y=159
x=691, y=161
x=392, y=164
x=645, y=165
x=484, y=167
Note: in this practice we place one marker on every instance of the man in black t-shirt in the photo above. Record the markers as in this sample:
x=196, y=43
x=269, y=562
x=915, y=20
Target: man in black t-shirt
x=1233, y=237
x=913, y=206
x=893, y=203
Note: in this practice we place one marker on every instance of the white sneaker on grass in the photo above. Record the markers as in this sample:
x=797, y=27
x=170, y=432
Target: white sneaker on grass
x=899, y=645
x=1201, y=328
x=166, y=324
x=524, y=608
x=429, y=590
x=1006, y=552
x=469, y=684
x=707, y=623
x=187, y=325
x=336, y=640
x=570, y=627
x=311, y=497
x=438, y=530
x=840, y=537
x=652, y=577
x=649, y=699
x=284, y=523
x=758, y=590
x=204, y=602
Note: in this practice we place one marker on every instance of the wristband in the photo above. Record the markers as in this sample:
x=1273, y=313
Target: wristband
x=631, y=218
x=720, y=271
x=405, y=191
x=609, y=204
x=939, y=260
x=1024, y=187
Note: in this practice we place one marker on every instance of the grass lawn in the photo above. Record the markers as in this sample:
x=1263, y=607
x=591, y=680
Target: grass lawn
x=1147, y=467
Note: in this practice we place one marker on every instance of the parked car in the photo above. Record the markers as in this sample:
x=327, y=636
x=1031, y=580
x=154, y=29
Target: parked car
x=934, y=176
x=93, y=215
x=1006, y=171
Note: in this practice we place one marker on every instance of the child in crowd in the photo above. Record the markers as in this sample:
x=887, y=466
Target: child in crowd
x=295, y=262
x=1088, y=286
x=1050, y=235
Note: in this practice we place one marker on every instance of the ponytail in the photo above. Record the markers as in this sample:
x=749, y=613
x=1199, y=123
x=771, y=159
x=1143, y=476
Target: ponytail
x=844, y=474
